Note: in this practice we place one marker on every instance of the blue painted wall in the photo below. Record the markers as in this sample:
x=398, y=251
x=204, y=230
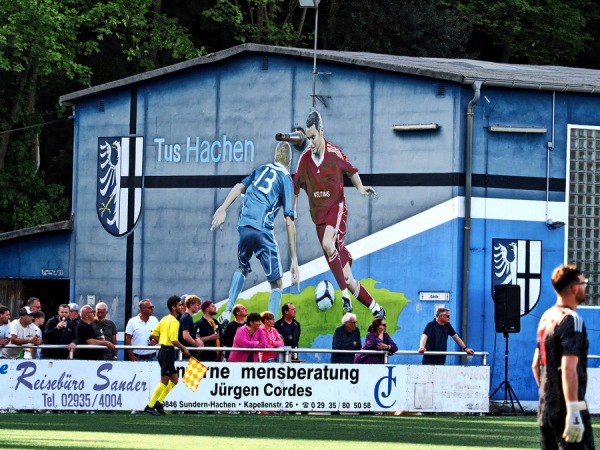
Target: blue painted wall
x=242, y=102
x=44, y=256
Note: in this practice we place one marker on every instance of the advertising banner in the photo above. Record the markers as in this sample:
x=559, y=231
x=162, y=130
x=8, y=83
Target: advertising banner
x=279, y=387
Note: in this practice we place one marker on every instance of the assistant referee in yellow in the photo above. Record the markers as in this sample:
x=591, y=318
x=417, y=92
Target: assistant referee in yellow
x=167, y=335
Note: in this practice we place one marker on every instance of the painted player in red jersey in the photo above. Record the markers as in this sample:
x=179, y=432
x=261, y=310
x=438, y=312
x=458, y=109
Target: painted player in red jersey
x=320, y=173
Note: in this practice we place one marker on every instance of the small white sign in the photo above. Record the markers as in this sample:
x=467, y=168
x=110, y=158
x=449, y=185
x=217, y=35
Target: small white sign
x=52, y=272
x=434, y=296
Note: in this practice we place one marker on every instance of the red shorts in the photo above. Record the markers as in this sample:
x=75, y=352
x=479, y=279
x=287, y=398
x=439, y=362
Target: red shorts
x=336, y=218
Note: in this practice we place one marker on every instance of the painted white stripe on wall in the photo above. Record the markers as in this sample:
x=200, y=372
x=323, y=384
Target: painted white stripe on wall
x=493, y=209
x=528, y=210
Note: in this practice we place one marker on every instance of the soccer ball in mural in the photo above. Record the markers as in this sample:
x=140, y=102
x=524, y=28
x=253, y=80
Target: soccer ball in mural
x=324, y=295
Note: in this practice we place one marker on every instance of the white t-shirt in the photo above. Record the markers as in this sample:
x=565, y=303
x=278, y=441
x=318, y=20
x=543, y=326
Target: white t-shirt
x=140, y=332
x=22, y=333
x=5, y=331
x=28, y=354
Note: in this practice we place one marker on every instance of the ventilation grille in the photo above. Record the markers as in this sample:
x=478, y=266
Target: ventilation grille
x=441, y=90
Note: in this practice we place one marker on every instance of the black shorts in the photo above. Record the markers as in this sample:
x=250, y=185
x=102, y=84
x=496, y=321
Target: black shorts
x=166, y=359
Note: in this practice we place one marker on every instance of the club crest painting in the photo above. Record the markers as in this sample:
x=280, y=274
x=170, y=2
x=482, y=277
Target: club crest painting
x=519, y=262
x=120, y=183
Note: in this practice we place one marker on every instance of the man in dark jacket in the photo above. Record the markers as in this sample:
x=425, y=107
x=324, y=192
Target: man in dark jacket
x=289, y=327
x=209, y=331
x=346, y=337
x=59, y=330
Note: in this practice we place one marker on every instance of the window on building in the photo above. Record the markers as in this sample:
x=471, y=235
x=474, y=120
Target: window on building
x=584, y=206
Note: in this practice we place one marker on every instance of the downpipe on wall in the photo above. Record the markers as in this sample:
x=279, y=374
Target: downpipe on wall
x=476, y=85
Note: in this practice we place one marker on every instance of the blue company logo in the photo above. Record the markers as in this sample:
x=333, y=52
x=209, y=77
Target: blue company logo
x=383, y=389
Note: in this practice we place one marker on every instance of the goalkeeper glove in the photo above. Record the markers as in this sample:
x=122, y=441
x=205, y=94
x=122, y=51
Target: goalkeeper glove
x=573, y=424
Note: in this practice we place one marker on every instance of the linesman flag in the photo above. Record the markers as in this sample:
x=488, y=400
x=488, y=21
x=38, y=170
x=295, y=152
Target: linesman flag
x=194, y=372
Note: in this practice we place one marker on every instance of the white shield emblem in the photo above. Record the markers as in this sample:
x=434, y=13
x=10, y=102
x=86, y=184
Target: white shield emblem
x=119, y=196
x=518, y=261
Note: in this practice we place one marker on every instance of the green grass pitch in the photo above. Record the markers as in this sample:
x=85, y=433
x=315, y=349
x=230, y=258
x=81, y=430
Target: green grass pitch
x=250, y=431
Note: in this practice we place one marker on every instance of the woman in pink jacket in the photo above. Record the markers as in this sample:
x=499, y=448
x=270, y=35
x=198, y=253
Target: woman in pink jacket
x=248, y=336
x=274, y=339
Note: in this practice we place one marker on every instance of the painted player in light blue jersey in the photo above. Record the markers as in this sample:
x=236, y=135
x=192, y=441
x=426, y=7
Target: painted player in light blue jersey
x=268, y=189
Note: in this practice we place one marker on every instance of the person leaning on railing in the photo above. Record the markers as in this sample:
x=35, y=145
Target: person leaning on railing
x=345, y=337
x=137, y=332
x=435, y=338
x=87, y=336
x=377, y=339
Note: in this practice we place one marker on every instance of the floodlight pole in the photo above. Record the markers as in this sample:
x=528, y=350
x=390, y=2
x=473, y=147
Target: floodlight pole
x=313, y=4
x=314, y=73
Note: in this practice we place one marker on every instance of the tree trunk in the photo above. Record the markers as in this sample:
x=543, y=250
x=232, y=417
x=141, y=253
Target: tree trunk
x=34, y=146
x=301, y=24
x=260, y=23
x=329, y=31
x=12, y=116
x=155, y=18
x=509, y=39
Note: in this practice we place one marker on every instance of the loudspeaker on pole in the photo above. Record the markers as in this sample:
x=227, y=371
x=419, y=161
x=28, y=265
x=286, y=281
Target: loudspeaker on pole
x=507, y=299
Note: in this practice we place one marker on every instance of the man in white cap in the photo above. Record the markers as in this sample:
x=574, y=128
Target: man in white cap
x=22, y=332
x=74, y=314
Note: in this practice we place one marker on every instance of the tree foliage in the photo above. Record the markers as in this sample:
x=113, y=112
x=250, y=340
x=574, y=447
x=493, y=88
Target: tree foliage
x=528, y=32
x=407, y=27
x=61, y=45
x=26, y=198
x=52, y=47
x=260, y=21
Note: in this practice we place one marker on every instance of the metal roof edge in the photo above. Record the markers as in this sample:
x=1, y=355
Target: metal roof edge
x=66, y=225
x=202, y=60
x=588, y=89
x=347, y=58
x=453, y=70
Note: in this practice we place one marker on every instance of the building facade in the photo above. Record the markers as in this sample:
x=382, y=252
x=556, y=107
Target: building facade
x=484, y=173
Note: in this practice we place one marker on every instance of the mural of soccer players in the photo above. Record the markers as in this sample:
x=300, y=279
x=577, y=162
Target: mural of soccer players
x=320, y=172
x=266, y=190
x=560, y=366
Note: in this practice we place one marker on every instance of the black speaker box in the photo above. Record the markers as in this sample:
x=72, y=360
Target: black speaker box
x=507, y=298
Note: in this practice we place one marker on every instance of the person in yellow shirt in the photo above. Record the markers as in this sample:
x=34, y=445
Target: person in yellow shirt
x=167, y=335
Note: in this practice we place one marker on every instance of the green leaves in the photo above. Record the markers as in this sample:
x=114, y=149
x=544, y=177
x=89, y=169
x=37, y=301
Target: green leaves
x=410, y=27
x=58, y=46
x=268, y=22
x=26, y=198
x=40, y=31
x=51, y=47
x=521, y=31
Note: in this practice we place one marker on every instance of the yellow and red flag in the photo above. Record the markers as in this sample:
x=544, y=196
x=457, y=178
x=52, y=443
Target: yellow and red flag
x=194, y=372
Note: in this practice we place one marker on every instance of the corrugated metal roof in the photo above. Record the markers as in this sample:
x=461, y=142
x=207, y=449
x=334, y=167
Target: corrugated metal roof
x=520, y=76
